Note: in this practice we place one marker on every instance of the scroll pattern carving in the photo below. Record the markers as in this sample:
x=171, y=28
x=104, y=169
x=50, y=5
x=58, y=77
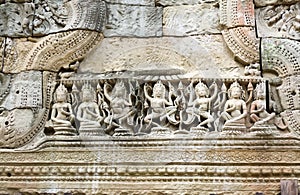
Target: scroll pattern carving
x=16, y=133
x=51, y=52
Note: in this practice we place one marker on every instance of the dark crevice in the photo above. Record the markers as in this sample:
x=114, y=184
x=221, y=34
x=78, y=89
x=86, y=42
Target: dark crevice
x=3, y=54
x=267, y=96
x=260, y=58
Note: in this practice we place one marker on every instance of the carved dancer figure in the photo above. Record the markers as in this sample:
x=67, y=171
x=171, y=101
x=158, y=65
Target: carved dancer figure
x=62, y=117
x=88, y=113
x=235, y=110
x=258, y=110
x=120, y=108
x=158, y=104
x=202, y=104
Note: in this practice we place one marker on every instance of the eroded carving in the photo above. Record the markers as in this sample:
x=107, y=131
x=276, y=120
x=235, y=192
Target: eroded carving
x=121, y=111
x=279, y=21
x=201, y=107
x=62, y=117
x=158, y=106
x=273, y=2
x=260, y=113
x=44, y=17
x=235, y=110
x=88, y=113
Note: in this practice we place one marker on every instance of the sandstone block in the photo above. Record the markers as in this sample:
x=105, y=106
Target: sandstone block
x=191, y=20
x=209, y=56
x=139, y=21
x=133, y=2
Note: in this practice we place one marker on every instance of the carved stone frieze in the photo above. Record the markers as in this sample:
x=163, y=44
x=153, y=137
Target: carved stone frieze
x=168, y=55
x=40, y=18
x=149, y=96
x=279, y=21
x=51, y=52
x=160, y=106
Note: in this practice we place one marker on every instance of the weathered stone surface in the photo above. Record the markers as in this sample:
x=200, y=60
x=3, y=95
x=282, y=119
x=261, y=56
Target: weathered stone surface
x=279, y=21
x=146, y=114
x=282, y=56
x=14, y=18
x=273, y=2
x=183, y=2
x=237, y=13
x=163, y=54
x=44, y=17
x=133, y=2
x=139, y=21
x=191, y=20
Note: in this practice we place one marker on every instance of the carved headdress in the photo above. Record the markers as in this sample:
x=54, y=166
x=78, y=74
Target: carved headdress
x=200, y=86
x=159, y=87
x=259, y=87
x=88, y=89
x=119, y=88
x=236, y=85
x=60, y=90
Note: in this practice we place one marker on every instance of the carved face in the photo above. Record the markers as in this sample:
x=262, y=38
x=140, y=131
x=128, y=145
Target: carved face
x=158, y=92
x=61, y=97
x=87, y=96
x=260, y=94
x=201, y=92
x=236, y=92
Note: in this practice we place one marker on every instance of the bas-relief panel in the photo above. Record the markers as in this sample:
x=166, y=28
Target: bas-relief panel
x=160, y=107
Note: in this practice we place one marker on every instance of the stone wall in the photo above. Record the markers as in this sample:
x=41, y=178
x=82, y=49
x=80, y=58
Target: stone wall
x=149, y=96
